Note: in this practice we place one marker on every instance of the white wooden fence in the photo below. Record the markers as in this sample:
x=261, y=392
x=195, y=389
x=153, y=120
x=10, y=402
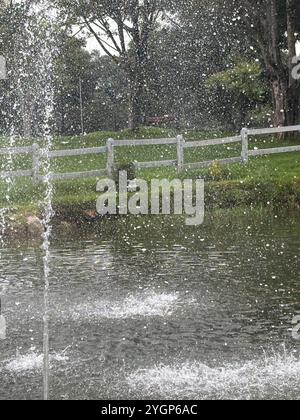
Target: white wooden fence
x=179, y=163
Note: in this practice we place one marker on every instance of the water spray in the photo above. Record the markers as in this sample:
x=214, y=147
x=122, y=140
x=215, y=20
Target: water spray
x=2, y=324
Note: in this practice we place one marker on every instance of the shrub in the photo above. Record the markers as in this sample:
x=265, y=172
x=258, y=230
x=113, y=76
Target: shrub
x=128, y=167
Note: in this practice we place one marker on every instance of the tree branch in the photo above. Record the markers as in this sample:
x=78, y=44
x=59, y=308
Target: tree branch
x=99, y=40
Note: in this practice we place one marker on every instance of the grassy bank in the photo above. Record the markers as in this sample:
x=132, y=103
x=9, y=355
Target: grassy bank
x=272, y=180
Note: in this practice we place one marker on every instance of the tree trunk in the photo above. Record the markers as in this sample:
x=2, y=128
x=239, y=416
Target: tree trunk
x=135, y=101
x=292, y=107
x=286, y=105
x=284, y=92
x=133, y=111
x=279, y=93
x=292, y=101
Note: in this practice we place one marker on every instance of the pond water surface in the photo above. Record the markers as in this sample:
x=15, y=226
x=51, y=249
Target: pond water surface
x=157, y=311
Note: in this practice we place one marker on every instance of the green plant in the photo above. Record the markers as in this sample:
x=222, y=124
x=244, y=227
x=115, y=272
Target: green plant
x=124, y=166
x=217, y=172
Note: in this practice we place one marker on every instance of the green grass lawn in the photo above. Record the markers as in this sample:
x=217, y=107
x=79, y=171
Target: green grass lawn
x=277, y=170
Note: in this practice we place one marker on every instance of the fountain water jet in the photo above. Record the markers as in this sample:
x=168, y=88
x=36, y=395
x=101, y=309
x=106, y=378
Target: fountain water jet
x=47, y=95
x=31, y=106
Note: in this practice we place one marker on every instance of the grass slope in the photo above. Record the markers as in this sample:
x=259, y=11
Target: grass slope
x=274, y=179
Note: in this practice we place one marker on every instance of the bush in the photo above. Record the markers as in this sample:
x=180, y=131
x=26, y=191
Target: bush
x=217, y=172
x=261, y=116
x=128, y=167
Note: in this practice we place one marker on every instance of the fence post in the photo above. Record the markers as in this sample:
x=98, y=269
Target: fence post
x=180, y=153
x=245, y=145
x=35, y=163
x=110, y=157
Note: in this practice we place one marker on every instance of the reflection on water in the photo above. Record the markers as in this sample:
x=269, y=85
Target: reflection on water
x=165, y=311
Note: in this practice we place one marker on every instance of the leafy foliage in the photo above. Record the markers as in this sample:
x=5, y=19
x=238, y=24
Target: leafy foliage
x=244, y=78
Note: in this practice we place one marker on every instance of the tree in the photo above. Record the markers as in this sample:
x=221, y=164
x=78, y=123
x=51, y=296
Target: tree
x=108, y=108
x=196, y=42
x=275, y=21
x=245, y=86
x=73, y=66
x=122, y=29
x=272, y=27
x=13, y=17
x=104, y=90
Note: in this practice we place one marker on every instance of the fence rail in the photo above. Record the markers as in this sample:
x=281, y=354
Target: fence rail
x=261, y=131
x=179, y=163
x=262, y=152
x=16, y=150
x=145, y=142
x=213, y=142
x=77, y=152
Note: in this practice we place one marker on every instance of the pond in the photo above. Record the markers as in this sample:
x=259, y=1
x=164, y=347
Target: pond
x=156, y=310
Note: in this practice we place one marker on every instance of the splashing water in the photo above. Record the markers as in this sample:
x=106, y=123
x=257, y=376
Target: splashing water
x=233, y=381
x=154, y=304
x=32, y=96
x=47, y=216
x=31, y=362
x=2, y=227
x=46, y=57
x=9, y=166
x=14, y=72
x=31, y=102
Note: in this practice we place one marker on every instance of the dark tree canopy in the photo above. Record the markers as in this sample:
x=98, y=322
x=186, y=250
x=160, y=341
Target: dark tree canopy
x=167, y=57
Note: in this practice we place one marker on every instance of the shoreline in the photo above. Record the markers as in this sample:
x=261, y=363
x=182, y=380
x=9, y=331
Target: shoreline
x=223, y=196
